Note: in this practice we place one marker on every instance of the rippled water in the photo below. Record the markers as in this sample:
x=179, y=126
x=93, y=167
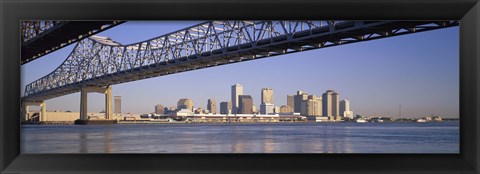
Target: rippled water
x=440, y=137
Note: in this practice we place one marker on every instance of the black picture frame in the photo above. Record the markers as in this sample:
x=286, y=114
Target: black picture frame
x=467, y=11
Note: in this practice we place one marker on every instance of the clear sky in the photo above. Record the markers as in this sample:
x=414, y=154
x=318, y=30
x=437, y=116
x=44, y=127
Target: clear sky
x=419, y=71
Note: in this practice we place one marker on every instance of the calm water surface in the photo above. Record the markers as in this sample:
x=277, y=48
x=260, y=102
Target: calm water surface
x=440, y=137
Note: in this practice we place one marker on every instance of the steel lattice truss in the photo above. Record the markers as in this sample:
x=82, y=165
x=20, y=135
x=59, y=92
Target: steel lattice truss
x=99, y=61
x=31, y=29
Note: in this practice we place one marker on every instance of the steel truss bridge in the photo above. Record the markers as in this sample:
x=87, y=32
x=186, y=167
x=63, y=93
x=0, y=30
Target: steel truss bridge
x=42, y=37
x=101, y=62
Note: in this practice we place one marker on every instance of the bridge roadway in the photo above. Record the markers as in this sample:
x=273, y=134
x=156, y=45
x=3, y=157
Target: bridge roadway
x=101, y=62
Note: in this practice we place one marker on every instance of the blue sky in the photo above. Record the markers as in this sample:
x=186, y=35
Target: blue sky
x=419, y=71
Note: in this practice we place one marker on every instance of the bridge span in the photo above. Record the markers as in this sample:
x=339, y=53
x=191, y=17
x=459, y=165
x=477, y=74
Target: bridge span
x=98, y=62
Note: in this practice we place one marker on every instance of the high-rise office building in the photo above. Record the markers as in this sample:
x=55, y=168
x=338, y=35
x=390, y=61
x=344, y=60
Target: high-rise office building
x=290, y=101
x=298, y=99
x=267, y=96
x=313, y=106
x=331, y=104
x=344, y=106
x=319, y=107
x=225, y=108
x=303, y=107
x=345, y=109
x=118, y=104
x=237, y=90
x=160, y=109
x=310, y=107
x=185, y=103
x=245, y=104
x=212, y=106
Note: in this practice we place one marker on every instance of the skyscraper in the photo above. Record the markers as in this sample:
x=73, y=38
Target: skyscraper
x=311, y=106
x=298, y=99
x=331, y=105
x=290, y=101
x=159, y=109
x=237, y=90
x=319, y=107
x=345, y=109
x=225, y=108
x=245, y=104
x=303, y=107
x=212, y=106
x=185, y=103
x=118, y=104
x=267, y=96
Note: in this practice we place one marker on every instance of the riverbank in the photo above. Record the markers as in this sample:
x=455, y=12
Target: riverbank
x=123, y=122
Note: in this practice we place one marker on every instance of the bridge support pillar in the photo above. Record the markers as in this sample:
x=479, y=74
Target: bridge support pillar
x=108, y=103
x=83, y=104
x=84, y=98
x=25, y=115
x=43, y=110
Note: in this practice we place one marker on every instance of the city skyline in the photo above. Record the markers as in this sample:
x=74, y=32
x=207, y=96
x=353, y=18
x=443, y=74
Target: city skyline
x=423, y=81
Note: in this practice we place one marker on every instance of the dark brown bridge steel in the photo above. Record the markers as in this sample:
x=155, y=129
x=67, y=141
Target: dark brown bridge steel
x=42, y=37
x=99, y=61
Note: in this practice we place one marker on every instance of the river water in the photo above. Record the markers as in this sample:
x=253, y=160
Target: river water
x=441, y=137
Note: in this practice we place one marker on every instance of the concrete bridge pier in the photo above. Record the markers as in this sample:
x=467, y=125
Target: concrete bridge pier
x=43, y=109
x=108, y=100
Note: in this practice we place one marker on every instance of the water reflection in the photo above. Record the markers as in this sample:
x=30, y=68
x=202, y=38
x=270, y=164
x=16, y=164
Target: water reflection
x=268, y=146
x=283, y=138
x=90, y=142
x=83, y=140
x=238, y=145
x=108, y=142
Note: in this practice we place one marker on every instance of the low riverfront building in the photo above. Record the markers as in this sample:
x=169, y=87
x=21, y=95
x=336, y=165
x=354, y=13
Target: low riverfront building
x=243, y=118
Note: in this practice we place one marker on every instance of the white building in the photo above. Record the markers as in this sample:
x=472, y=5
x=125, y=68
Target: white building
x=345, y=109
x=267, y=108
x=182, y=112
x=330, y=102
